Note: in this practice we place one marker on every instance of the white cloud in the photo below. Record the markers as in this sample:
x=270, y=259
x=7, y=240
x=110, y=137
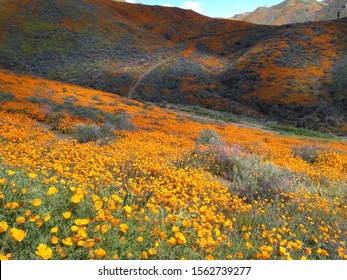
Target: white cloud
x=195, y=6
x=131, y=1
x=168, y=5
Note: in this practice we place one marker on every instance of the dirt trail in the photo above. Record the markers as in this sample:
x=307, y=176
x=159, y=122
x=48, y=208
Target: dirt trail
x=141, y=78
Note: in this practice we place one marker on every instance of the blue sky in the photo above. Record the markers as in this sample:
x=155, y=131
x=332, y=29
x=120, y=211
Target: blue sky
x=214, y=8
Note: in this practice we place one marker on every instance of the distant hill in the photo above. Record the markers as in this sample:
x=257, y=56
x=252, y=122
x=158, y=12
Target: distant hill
x=330, y=11
x=291, y=74
x=289, y=11
x=241, y=16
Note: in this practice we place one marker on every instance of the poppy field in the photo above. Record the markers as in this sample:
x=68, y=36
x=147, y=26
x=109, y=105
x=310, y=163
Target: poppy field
x=86, y=174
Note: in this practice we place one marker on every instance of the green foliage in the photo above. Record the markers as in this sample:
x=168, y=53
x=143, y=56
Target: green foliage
x=132, y=103
x=246, y=174
x=40, y=100
x=255, y=180
x=104, y=133
x=228, y=117
x=86, y=113
x=307, y=153
x=121, y=122
x=6, y=96
x=58, y=43
x=288, y=130
x=92, y=133
x=36, y=26
x=213, y=114
x=208, y=137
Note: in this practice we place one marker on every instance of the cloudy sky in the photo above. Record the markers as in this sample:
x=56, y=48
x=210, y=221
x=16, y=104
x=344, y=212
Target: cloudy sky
x=213, y=8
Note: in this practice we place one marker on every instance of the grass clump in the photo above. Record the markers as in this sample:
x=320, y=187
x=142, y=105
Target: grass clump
x=208, y=137
x=246, y=175
x=87, y=133
x=122, y=122
x=91, y=133
x=307, y=153
x=252, y=178
x=288, y=130
x=6, y=96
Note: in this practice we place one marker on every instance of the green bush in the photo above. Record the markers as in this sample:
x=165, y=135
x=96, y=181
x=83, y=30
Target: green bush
x=86, y=113
x=288, y=130
x=6, y=96
x=122, y=122
x=255, y=180
x=307, y=153
x=208, y=137
x=93, y=133
x=87, y=133
x=246, y=175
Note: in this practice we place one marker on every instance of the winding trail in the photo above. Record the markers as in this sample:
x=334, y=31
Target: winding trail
x=143, y=76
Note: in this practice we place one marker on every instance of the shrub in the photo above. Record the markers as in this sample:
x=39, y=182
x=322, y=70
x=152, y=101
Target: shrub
x=6, y=96
x=132, y=103
x=180, y=118
x=87, y=133
x=307, y=153
x=40, y=100
x=86, y=113
x=208, y=137
x=253, y=179
x=123, y=122
x=287, y=130
x=245, y=175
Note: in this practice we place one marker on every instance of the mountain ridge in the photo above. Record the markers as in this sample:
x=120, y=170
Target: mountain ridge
x=331, y=10
x=290, y=74
x=289, y=11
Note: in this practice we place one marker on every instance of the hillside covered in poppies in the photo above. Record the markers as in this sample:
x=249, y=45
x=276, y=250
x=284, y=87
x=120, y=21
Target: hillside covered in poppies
x=133, y=132
x=293, y=75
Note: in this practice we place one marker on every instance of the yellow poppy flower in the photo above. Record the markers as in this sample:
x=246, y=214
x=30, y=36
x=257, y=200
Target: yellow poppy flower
x=54, y=240
x=140, y=239
x=36, y=202
x=3, y=226
x=67, y=241
x=74, y=228
x=32, y=176
x=180, y=239
x=98, y=205
x=171, y=241
x=127, y=209
x=20, y=220
x=123, y=228
x=76, y=199
x=44, y=252
x=99, y=253
x=3, y=257
x=52, y=190
x=152, y=251
x=66, y=215
x=175, y=229
x=17, y=234
x=54, y=230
